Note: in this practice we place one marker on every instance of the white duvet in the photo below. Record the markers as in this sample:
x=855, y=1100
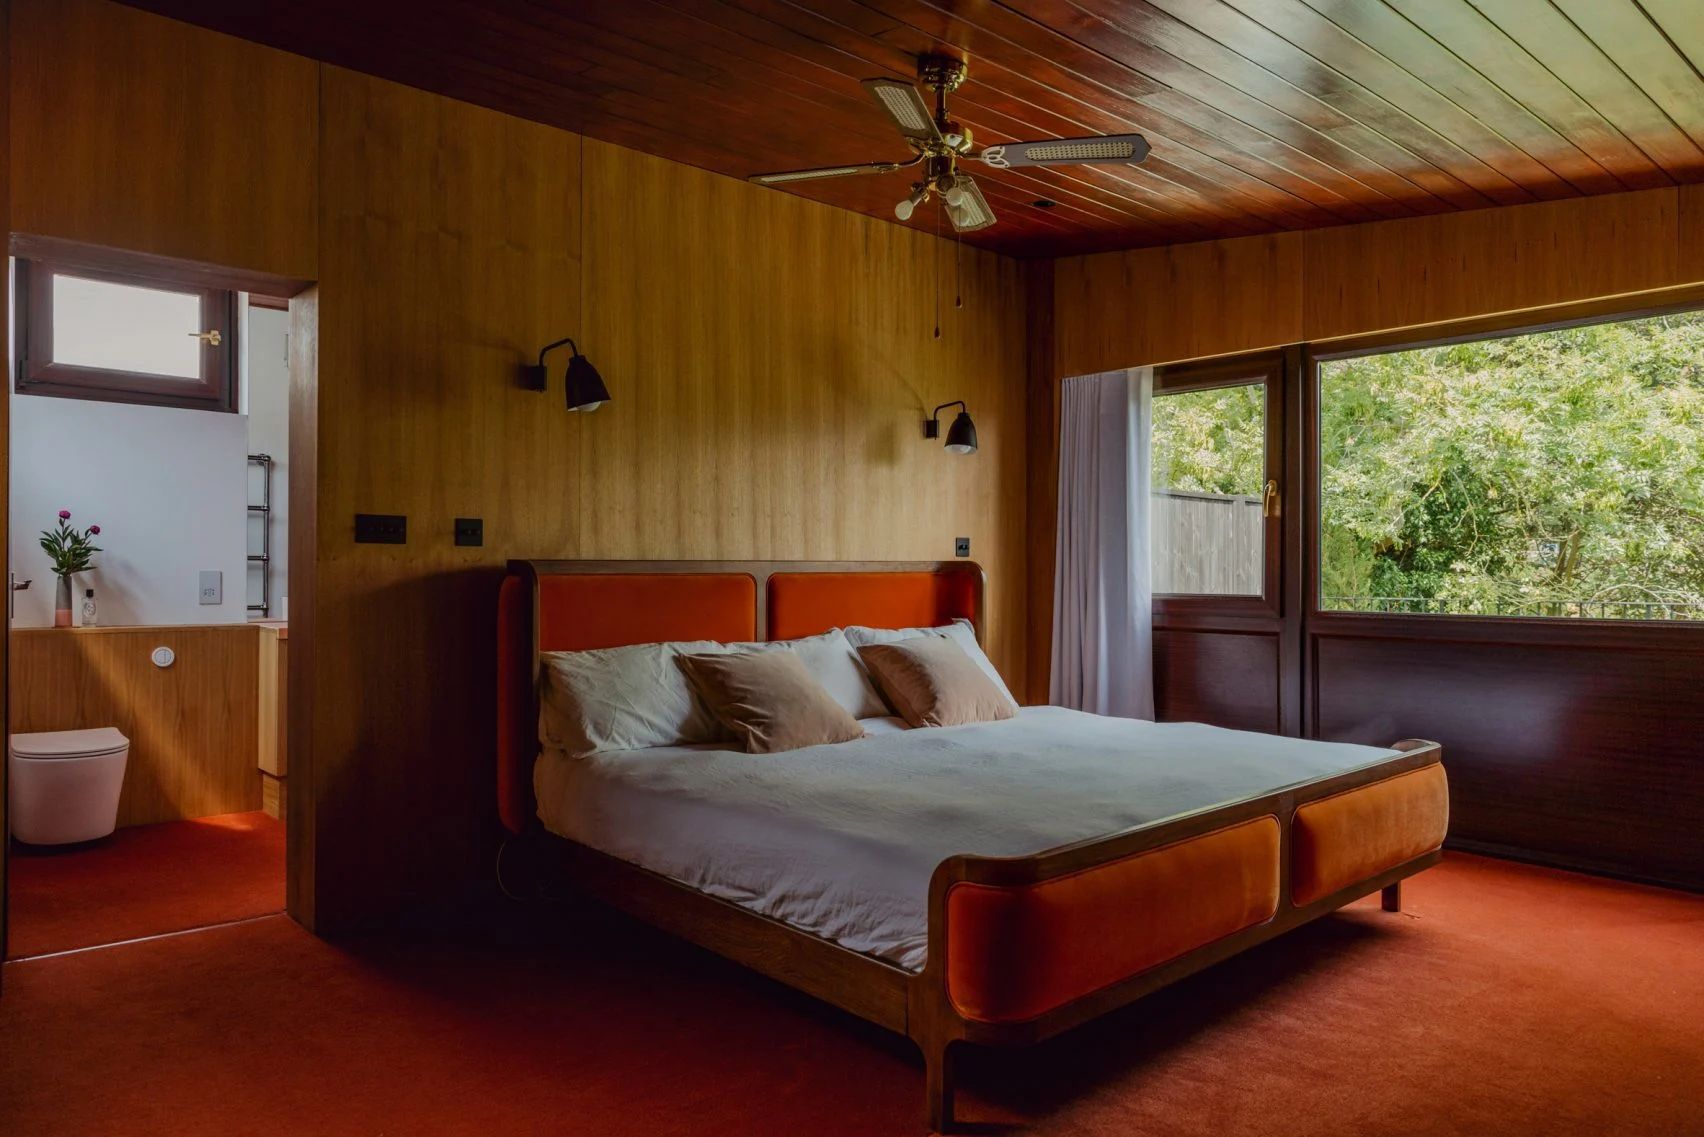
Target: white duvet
x=841, y=840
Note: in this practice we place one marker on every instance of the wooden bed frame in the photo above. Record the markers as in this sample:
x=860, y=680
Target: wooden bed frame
x=920, y=1004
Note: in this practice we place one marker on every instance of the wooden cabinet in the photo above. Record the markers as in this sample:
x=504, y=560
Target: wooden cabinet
x=273, y=718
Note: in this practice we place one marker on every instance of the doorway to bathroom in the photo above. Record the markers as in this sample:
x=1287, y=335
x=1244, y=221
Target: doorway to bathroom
x=148, y=635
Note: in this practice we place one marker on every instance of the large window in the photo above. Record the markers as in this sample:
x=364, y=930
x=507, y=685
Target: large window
x=1550, y=474
x=92, y=334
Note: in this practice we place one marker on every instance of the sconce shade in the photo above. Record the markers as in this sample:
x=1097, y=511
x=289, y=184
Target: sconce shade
x=961, y=436
x=586, y=390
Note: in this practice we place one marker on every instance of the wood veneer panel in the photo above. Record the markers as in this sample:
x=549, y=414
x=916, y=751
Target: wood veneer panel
x=771, y=361
x=1222, y=297
x=1151, y=306
x=1423, y=270
x=1585, y=755
x=1227, y=679
x=144, y=134
x=272, y=734
x=1690, y=254
x=191, y=726
x=449, y=257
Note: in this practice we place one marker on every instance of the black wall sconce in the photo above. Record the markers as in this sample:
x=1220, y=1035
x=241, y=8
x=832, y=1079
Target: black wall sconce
x=585, y=387
x=961, y=435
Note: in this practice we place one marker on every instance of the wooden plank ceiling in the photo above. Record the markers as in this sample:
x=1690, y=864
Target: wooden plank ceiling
x=1263, y=114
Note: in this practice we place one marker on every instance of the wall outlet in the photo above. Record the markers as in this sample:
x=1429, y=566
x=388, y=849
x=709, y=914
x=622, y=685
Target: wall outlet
x=961, y=547
x=212, y=587
x=470, y=531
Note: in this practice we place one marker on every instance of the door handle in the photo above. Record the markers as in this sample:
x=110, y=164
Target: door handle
x=16, y=587
x=1270, y=505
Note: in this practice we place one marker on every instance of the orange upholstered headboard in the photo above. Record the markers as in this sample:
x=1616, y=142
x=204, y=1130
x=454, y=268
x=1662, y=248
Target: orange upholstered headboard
x=580, y=605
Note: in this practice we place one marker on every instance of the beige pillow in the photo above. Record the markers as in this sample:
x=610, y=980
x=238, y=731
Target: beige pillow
x=931, y=681
x=959, y=631
x=769, y=700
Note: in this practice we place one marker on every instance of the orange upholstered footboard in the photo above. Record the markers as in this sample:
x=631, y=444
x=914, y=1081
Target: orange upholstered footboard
x=1016, y=952
x=1349, y=837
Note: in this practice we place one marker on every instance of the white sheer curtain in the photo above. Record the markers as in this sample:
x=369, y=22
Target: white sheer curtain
x=1103, y=637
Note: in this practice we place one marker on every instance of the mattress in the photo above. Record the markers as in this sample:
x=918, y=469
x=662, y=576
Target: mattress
x=841, y=840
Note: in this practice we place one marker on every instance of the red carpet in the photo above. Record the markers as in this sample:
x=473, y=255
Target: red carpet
x=1507, y=1001
x=143, y=881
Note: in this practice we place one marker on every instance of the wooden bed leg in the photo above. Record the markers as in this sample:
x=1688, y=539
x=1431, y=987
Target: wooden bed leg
x=1391, y=895
x=938, y=1085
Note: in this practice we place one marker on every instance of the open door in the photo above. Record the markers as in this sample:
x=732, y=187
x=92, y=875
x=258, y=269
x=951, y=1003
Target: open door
x=1226, y=625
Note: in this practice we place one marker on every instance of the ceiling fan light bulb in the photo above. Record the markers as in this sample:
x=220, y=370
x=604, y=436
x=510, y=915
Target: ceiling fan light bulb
x=955, y=197
x=904, y=210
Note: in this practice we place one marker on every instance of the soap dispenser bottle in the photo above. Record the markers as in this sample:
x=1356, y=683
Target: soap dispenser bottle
x=89, y=608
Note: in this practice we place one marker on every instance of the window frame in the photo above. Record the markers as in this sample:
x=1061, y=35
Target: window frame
x=1463, y=627
x=214, y=390
x=1214, y=374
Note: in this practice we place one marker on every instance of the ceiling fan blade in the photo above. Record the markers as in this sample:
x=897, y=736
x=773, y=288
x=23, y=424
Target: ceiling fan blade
x=905, y=106
x=967, y=209
x=1067, y=151
x=786, y=176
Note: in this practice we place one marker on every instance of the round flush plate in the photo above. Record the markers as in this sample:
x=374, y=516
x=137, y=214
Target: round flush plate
x=163, y=657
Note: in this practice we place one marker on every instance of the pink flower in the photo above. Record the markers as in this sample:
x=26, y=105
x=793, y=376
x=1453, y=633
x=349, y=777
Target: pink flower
x=94, y=529
x=65, y=515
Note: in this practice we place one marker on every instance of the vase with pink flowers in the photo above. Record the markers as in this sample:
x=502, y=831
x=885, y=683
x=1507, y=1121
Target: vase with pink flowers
x=71, y=550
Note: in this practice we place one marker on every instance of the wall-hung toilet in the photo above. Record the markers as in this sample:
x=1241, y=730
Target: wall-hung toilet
x=63, y=785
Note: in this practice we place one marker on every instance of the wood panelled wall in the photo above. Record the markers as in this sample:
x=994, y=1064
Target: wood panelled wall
x=191, y=726
x=771, y=362
x=152, y=136
x=1177, y=302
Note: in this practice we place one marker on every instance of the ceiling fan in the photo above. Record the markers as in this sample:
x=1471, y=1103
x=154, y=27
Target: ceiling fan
x=937, y=143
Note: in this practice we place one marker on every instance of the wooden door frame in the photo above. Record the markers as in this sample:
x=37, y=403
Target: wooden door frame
x=303, y=300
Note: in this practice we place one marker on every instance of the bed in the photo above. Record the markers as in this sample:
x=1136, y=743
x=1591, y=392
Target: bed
x=992, y=883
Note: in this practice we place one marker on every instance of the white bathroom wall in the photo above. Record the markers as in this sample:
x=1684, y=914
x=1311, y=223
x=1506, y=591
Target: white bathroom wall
x=165, y=486
x=267, y=391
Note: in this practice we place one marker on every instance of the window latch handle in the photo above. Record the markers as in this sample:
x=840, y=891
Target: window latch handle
x=212, y=338
x=1270, y=506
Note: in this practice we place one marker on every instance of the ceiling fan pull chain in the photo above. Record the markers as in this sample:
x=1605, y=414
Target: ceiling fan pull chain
x=958, y=269
x=935, y=255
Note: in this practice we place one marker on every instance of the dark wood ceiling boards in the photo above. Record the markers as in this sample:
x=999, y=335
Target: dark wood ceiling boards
x=1263, y=114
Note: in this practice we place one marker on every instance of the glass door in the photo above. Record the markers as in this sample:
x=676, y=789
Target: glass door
x=1220, y=522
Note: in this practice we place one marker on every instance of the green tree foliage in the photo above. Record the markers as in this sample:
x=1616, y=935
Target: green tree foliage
x=1211, y=441
x=1559, y=473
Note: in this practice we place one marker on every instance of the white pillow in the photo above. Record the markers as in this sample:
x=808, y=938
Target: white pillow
x=622, y=698
x=960, y=631
x=631, y=698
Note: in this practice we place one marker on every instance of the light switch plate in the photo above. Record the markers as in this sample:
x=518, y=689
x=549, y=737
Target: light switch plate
x=961, y=547
x=212, y=587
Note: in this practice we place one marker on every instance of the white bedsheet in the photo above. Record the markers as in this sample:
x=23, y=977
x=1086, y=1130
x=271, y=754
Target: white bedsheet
x=841, y=840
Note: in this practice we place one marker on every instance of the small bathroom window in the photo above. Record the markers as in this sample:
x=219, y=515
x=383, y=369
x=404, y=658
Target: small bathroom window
x=94, y=334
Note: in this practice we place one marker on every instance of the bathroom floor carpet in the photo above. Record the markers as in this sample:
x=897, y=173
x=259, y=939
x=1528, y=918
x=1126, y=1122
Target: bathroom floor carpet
x=145, y=881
